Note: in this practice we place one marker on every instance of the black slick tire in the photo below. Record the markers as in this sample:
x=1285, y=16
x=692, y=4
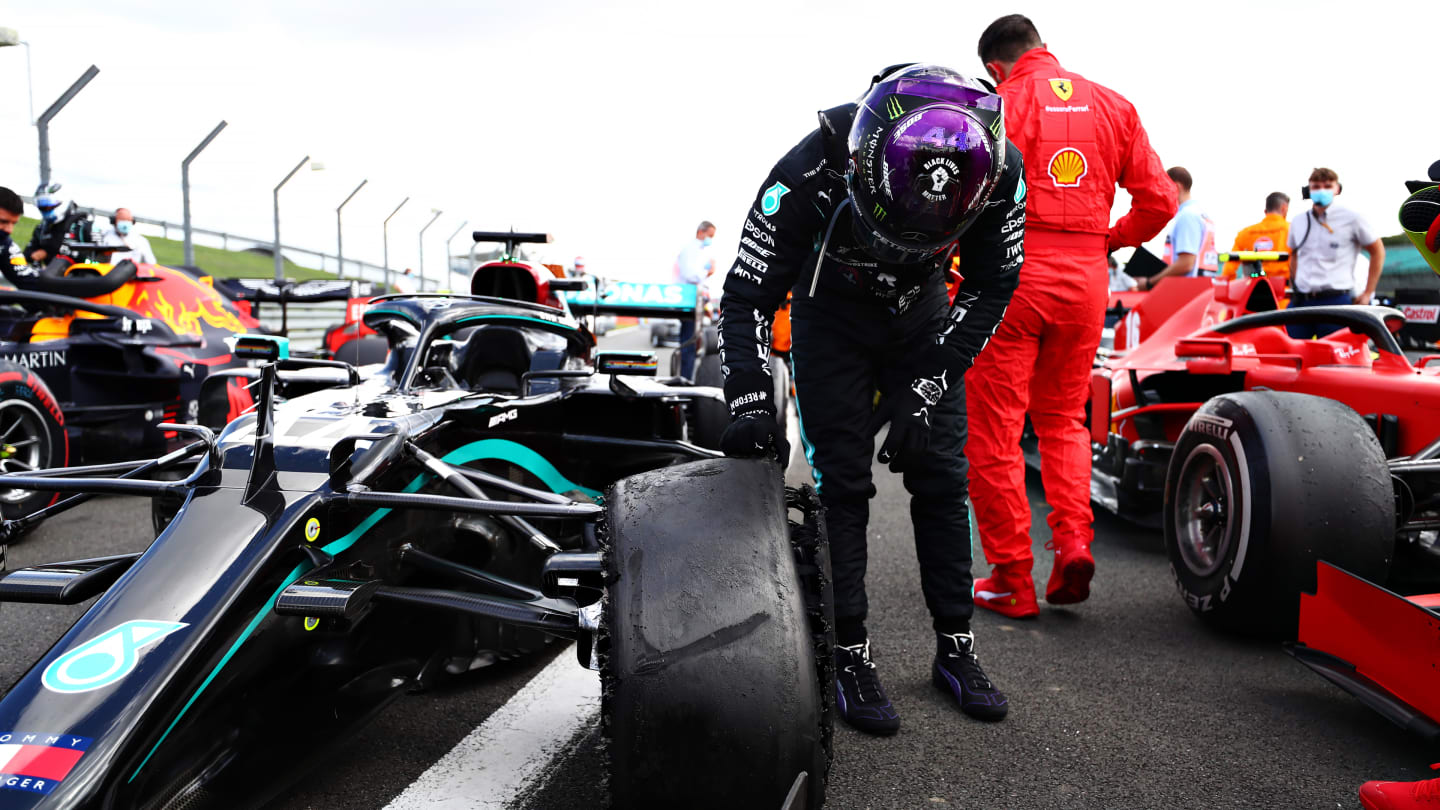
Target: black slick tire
x=32, y=435
x=710, y=695
x=1261, y=486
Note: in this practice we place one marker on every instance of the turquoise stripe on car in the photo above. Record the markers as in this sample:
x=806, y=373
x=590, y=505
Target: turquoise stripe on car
x=499, y=449
x=800, y=418
x=541, y=321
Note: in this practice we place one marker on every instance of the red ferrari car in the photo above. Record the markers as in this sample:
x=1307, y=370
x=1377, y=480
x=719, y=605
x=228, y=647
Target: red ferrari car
x=1259, y=454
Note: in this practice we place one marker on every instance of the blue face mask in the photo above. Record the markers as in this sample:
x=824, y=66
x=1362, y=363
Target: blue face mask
x=707, y=241
x=123, y=227
x=1322, y=196
x=50, y=214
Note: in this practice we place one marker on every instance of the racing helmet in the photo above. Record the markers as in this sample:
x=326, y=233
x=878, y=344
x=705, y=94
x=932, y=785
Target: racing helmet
x=47, y=198
x=1420, y=217
x=927, y=148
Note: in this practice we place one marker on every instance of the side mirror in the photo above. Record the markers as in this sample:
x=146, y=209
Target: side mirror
x=262, y=347
x=1205, y=355
x=568, y=284
x=635, y=364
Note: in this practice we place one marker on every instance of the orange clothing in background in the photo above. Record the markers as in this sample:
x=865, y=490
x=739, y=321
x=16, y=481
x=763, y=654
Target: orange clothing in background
x=1267, y=234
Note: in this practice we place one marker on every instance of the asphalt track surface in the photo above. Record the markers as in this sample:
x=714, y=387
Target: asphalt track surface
x=1124, y=701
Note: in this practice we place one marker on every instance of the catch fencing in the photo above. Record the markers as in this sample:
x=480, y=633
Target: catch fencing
x=457, y=270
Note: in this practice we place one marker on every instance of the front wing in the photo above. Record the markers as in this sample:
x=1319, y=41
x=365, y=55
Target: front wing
x=1381, y=647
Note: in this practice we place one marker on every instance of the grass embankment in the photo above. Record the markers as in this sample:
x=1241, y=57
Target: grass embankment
x=216, y=262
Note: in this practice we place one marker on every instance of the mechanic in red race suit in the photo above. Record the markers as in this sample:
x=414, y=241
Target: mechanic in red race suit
x=1079, y=140
x=861, y=219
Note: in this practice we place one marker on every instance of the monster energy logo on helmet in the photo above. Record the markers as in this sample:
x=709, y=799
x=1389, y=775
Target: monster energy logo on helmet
x=894, y=108
x=879, y=212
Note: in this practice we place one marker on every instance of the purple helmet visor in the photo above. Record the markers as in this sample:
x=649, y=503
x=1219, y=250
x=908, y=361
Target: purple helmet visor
x=919, y=183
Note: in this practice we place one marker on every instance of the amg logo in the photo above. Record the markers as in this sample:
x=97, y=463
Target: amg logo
x=502, y=418
x=50, y=359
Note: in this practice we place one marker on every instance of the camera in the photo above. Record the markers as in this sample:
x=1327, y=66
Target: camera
x=1305, y=192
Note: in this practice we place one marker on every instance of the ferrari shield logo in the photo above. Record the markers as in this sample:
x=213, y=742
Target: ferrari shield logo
x=1063, y=88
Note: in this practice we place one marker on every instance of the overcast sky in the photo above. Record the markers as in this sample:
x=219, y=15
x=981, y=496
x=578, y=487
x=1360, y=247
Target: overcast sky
x=618, y=126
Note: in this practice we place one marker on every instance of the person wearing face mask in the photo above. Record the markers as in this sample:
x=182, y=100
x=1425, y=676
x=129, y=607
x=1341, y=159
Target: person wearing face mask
x=124, y=233
x=1323, y=247
x=694, y=264
x=11, y=207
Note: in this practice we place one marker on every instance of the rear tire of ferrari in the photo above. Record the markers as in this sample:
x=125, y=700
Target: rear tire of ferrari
x=711, y=417
x=32, y=436
x=1263, y=485
x=710, y=694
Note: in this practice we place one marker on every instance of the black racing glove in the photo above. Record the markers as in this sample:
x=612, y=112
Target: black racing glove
x=909, y=416
x=754, y=434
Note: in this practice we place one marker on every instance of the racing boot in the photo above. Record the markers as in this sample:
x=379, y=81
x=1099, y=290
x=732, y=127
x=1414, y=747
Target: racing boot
x=1070, y=578
x=858, y=693
x=957, y=671
x=1009, y=591
x=1401, y=795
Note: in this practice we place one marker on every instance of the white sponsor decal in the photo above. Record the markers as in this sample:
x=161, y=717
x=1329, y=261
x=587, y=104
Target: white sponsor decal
x=739, y=272
x=759, y=234
x=1421, y=313
x=502, y=418
x=1069, y=108
x=46, y=359
x=759, y=251
x=743, y=256
x=1210, y=425
x=747, y=399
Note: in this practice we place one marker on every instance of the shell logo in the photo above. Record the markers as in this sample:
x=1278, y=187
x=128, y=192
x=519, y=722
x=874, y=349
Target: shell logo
x=1067, y=167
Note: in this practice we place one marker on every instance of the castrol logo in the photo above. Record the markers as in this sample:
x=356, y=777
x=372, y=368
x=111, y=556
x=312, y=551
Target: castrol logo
x=1067, y=167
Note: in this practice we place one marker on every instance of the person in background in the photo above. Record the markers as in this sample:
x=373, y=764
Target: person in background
x=693, y=266
x=124, y=233
x=1268, y=234
x=1190, y=247
x=1120, y=281
x=11, y=207
x=1080, y=140
x=1323, y=247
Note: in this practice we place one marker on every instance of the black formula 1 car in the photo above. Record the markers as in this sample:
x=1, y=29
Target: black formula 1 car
x=496, y=484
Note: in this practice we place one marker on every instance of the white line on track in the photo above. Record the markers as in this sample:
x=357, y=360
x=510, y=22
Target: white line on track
x=511, y=752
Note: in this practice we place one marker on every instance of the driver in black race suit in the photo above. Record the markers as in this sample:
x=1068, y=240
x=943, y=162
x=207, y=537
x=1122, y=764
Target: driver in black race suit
x=862, y=218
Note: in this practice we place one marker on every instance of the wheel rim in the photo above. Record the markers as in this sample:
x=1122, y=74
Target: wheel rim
x=1204, y=510
x=24, y=444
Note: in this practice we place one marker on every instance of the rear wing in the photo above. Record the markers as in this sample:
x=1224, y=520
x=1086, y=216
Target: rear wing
x=510, y=239
x=637, y=299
